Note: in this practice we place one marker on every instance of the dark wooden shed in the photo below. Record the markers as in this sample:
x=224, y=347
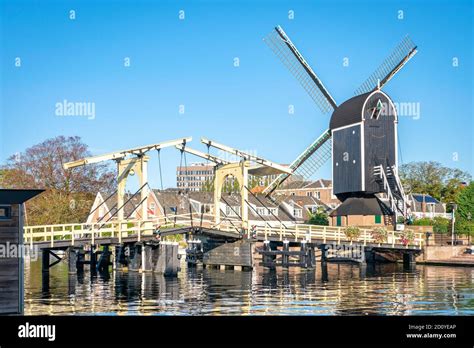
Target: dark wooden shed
x=11, y=241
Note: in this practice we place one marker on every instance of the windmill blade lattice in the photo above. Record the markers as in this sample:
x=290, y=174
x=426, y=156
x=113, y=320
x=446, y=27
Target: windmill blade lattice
x=284, y=49
x=405, y=50
x=305, y=165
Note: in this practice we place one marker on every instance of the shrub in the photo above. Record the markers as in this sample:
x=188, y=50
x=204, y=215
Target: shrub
x=352, y=232
x=319, y=218
x=440, y=224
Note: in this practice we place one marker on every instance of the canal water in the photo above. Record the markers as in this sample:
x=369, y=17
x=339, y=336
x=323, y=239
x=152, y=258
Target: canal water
x=345, y=289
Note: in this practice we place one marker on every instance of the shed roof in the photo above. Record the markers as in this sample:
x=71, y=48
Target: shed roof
x=17, y=196
x=361, y=206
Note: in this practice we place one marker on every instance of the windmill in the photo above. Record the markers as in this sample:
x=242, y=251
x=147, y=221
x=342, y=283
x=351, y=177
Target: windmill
x=362, y=133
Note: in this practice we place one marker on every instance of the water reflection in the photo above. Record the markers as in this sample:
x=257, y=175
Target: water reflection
x=333, y=289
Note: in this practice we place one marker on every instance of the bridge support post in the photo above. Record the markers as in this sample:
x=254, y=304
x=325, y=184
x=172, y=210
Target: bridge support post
x=72, y=260
x=45, y=260
x=104, y=260
x=80, y=260
x=93, y=259
x=324, y=256
x=369, y=256
x=408, y=260
x=135, y=257
x=147, y=258
x=267, y=259
x=119, y=257
x=303, y=254
x=285, y=260
x=307, y=257
x=165, y=259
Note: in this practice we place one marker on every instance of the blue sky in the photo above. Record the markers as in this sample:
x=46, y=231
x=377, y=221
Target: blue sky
x=190, y=62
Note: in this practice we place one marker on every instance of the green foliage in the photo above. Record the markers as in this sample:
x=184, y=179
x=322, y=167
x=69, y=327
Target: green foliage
x=440, y=224
x=432, y=178
x=465, y=210
x=319, y=218
x=231, y=185
x=379, y=234
x=352, y=232
x=208, y=185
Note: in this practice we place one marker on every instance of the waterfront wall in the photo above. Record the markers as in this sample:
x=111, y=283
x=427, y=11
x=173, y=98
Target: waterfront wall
x=440, y=252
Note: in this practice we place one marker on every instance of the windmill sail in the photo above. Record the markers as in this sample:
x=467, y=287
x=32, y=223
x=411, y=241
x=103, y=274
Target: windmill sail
x=306, y=164
x=405, y=50
x=284, y=49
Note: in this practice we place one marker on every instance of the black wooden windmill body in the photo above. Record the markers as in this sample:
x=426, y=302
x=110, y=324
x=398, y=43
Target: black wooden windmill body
x=362, y=130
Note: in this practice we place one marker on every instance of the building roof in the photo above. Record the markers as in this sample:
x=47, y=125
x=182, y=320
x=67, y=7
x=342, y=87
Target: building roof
x=321, y=183
x=129, y=208
x=361, y=206
x=424, y=198
x=17, y=196
x=418, y=200
x=300, y=185
x=173, y=202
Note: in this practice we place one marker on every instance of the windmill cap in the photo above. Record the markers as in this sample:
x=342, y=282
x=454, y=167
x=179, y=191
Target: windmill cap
x=351, y=111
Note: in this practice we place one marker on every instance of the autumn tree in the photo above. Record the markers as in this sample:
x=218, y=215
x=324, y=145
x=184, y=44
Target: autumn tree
x=69, y=193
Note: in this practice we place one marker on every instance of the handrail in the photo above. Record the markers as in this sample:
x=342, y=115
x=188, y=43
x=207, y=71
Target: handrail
x=297, y=232
x=379, y=171
x=394, y=170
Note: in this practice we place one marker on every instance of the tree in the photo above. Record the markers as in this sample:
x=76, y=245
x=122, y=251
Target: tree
x=319, y=218
x=69, y=193
x=208, y=185
x=432, y=178
x=465, y=210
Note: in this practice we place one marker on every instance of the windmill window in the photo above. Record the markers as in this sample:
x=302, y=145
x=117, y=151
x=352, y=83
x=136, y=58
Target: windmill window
x=337, y=163
x=354, y=161
x=5, y=212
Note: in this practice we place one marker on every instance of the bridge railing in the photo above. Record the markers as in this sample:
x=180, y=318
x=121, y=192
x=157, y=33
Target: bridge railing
x=120, y=229
x=328, y=234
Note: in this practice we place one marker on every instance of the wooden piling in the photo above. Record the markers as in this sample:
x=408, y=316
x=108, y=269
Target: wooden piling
x=72, y=260
x=408, y=260
x=285, y=257
x=45, y=260
x=135, y=257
